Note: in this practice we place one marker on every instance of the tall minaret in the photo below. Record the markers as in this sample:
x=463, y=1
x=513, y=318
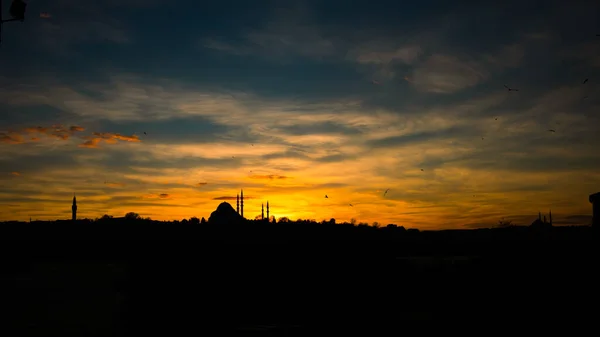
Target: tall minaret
x=238, y=203
x=268, y=211
x=242, y=203
x=74, y=208
x=262, y=212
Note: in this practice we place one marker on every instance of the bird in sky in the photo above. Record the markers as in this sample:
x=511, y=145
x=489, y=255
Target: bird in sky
x=552, y=130
x=510, y=89
x=351, y=205
x=422, y=170
x=496, y=118
x=384, y=193
x=585, y=81
x=145, y=133
x=326, y=196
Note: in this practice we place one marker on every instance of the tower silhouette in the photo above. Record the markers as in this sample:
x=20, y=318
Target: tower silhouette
x=242, y=203
x=74, y=209
x=237, y=209
x=262, y=211
x=268, y=210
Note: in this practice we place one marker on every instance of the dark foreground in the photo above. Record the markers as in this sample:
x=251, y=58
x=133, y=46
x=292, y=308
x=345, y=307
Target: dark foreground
x=297, y=288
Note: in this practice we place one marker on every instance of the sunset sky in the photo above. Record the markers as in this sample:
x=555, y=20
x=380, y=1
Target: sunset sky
x=167, y=108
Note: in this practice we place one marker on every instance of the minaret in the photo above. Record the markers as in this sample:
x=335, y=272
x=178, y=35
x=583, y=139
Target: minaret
x=268, y=211
x=238, y=203
x=262, y=211
x=242, y=203
x=74, y=208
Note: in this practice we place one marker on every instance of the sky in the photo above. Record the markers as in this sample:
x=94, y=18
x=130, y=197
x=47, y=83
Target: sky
x=168, y=108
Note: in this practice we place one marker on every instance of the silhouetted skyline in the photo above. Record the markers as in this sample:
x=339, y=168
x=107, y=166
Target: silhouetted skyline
x=461, y=124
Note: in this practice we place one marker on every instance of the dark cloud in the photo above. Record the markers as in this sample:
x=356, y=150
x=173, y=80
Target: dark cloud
x=232, y=198
x=335, y=158
x=269, y=176
x=318, y=128
x=424, y=136
x=176, y=130
x=574, y=220
x=286, y=154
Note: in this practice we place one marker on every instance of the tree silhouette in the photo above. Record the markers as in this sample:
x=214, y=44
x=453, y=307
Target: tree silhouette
x=132, y=216
x=504, y=223
x=194, y=220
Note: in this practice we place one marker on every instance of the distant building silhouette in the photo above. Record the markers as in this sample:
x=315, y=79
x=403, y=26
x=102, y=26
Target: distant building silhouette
x=262, y=212
x=225, y=215
x=595, y=200
x=74, y=209
x=539, y=223
x=242, y=203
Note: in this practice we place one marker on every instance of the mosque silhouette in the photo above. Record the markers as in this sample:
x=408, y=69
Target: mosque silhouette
x=225, y=214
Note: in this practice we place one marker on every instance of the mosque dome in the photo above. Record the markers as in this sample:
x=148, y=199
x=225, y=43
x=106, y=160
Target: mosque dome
x=224, y=214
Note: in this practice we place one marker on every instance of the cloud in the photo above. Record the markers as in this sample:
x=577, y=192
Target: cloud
x=11, y=138
x=15, y=174
x=25, y=135
x=232, y=198
x=114, y=184
x=156, y=196
x=116, y=136
x=406, y=55
x=108, y=137
x=201, y=184
x=270, y=177
x=91, y=143
x=444, y=74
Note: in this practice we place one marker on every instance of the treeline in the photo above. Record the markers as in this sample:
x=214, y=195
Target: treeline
x=134, y=227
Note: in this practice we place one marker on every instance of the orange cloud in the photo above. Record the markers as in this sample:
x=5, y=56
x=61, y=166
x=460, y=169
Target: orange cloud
x=269, y=176
x=116, y=136
x=113, y=184
x=45, y=15
x=91, y=144
x=56, y=131
x=15, y=173
x=11, y=138
x=154, y=196
x=107, y=137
